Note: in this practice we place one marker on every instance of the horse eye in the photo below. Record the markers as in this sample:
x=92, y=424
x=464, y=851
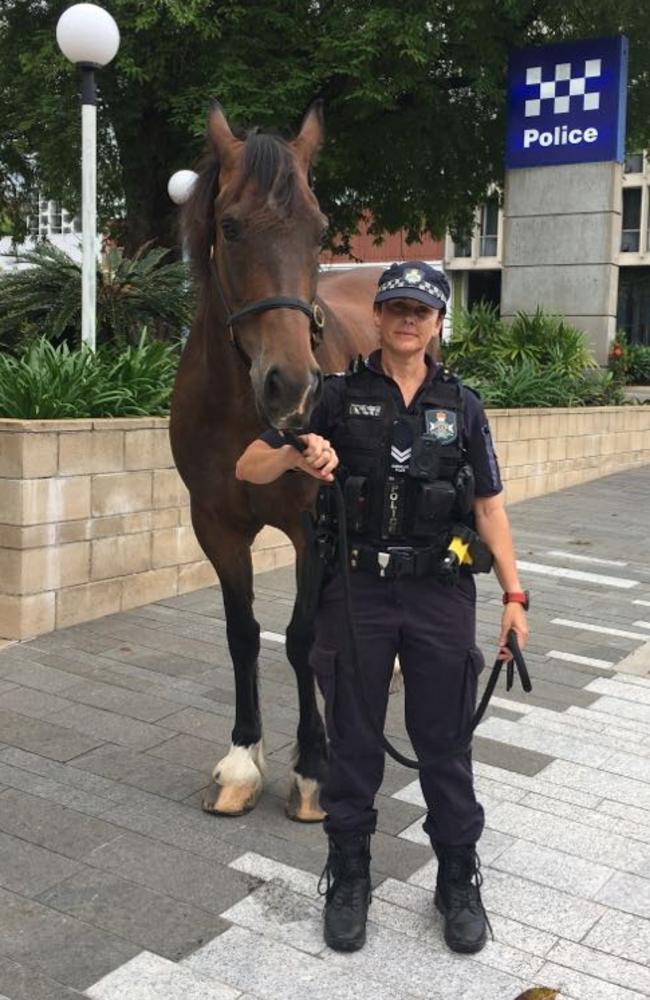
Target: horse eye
x=229, y=227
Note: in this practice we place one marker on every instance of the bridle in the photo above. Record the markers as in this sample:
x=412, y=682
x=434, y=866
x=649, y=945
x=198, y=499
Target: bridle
x=312, y=310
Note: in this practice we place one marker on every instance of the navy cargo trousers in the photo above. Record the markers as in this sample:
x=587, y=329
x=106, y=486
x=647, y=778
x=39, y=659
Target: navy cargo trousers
x=432, y=628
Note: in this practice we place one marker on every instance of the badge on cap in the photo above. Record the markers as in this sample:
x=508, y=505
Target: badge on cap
x=413, y=276
x=441, y=425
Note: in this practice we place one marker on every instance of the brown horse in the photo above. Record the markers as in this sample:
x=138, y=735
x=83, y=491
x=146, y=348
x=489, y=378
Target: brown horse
x=253, y=359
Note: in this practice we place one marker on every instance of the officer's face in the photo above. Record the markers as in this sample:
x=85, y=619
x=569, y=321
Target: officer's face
x=406, y=326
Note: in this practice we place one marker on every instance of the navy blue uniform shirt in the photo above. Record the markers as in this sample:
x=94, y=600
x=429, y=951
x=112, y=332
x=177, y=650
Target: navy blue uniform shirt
x=476, y=436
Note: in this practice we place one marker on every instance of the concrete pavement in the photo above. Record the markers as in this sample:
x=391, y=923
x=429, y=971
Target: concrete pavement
x=115, y=886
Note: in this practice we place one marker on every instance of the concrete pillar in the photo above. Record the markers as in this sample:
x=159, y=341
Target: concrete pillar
x=562, y=233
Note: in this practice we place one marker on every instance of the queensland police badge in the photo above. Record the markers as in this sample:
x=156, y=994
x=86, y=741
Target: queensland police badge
x=441, y=425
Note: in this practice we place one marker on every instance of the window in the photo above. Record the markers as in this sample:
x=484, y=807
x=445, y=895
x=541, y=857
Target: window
x=630, y=237
x=489, y=228
x=634, y=163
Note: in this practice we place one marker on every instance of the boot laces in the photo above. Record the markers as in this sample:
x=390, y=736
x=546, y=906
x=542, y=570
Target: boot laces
x=343, y=879
x=463, y=881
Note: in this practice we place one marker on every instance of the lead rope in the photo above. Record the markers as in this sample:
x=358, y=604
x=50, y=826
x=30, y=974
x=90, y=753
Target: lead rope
x=359, y=688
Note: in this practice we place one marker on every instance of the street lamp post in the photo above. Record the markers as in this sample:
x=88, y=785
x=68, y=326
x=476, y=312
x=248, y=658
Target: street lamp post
x=89, y=37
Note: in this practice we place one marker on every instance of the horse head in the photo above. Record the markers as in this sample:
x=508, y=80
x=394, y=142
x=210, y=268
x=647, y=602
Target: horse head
x=255, y=229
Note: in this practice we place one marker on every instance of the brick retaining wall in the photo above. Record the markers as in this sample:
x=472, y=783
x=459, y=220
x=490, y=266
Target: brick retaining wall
x=94, y=518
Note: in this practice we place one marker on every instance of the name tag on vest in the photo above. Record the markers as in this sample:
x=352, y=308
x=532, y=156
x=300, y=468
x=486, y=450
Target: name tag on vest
x=365, y=409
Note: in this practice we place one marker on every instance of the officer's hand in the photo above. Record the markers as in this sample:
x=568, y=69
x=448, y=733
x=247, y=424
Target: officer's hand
x=514, y=617
x=319, y=458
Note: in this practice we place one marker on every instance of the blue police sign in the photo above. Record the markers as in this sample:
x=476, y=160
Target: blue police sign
x=567, y=103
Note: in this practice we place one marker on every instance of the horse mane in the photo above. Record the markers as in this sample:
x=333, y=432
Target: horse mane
x=267, y=161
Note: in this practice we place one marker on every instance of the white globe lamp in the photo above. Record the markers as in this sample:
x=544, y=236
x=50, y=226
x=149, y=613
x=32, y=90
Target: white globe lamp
x=180, y=185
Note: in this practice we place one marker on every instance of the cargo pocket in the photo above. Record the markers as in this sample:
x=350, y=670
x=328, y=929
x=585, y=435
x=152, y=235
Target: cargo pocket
x=323, y=663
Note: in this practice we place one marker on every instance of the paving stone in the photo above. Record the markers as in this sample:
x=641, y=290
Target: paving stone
x=66, y=950
x=420, y=900
x=632, y=814
x=65, y=774
x=274, y=971
x=627, y=791
x=111, y=727
x=580, y=986
x=44, y=738
x=632, y=975
x=623, y=709
x=599, y=731
x=499, y=754
x=151, y=977
x=581, y=751
x=177, y=825
x=34, y=675
x=149, y=919
x=555, y=868
x=299, y=881
x=568, y=836
x=141, y=771
x=32, y=703
x=55, y=791
x=191, y=751
x=285, y=916
x=20, y=983
x=209, y=726
x=28, y=870
x=540, y=906
x=145, y=707
x=209, y=885
x=638, y=693
x=632, y=725
x=49, y=825
x=627, y=892
x=537, y=784
x=593, y=817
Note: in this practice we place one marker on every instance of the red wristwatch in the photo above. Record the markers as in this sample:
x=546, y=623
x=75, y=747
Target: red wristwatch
x=517, y=597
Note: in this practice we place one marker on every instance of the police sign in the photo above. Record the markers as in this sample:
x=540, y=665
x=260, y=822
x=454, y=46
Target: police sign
x=567, y=103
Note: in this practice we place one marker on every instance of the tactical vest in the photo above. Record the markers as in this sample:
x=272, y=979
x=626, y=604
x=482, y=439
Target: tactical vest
x=437, y=487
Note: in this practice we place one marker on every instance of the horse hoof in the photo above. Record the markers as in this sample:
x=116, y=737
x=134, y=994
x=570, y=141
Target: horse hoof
x=231, y=800
x=302, y=805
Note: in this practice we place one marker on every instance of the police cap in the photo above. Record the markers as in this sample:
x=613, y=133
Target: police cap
x=413, y=279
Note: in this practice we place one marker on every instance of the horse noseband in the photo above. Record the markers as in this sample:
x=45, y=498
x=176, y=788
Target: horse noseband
x=313, y=311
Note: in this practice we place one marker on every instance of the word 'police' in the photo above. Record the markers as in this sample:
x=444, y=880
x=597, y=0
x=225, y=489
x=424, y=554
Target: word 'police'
x=561, y=135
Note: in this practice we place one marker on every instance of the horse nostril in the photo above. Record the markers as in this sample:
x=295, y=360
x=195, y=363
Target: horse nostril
x=273, y=386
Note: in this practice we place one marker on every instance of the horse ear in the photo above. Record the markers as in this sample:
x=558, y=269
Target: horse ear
x=223, y=141
x=309, y=140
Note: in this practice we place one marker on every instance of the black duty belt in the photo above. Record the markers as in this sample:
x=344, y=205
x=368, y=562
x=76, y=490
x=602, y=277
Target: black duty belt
x=396, y=561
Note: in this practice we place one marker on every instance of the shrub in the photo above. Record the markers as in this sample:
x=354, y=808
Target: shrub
x=638, y=364
x=53, y=382
x=45, y=294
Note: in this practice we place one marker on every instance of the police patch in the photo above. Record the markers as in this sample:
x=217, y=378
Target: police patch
x=365, y=409
x=441, y=425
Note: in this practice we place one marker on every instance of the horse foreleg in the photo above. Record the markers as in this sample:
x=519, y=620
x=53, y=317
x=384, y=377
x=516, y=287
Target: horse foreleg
x=310, y=752
x=239, y=776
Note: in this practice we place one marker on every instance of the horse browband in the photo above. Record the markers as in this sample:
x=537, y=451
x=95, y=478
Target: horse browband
x=314, y=312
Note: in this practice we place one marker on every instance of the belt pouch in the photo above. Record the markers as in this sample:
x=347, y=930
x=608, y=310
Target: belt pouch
x=356, y=503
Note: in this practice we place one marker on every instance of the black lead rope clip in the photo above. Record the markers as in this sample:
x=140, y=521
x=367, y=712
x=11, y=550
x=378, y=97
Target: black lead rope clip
x=516, y=660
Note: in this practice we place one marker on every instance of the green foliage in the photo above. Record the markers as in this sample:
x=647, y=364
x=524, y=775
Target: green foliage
x=414, y=92
x=629, y=363
x=45, y=294
x=46, y=382
x=537, y=360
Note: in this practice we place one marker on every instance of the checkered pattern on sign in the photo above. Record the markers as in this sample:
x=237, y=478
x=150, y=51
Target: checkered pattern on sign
x=562, y=88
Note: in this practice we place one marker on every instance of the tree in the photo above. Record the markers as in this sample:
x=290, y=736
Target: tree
x=414, y=97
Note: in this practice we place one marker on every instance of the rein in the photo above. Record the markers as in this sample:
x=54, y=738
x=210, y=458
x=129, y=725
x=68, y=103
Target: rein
x=313, y=311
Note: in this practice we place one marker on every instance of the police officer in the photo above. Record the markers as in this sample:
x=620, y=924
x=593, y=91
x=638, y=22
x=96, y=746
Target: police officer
x=417, y=464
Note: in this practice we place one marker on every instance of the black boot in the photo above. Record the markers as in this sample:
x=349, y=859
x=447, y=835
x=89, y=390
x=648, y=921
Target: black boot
x=458, y=898
x=347, y=892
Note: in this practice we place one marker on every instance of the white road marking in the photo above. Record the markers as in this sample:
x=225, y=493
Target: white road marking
x=588, y=661
x=587, y=627
x=642, y=624
x=588, y=559
x=272, y=636
x=577, y=574
x=646, y=604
